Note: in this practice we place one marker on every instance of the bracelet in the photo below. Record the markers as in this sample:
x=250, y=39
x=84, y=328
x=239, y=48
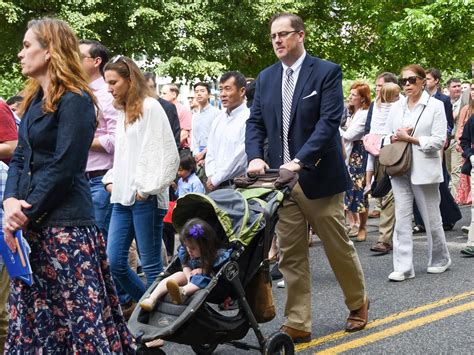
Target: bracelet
x=107, y=184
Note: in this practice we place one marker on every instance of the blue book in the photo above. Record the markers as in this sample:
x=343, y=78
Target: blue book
x=17, y=263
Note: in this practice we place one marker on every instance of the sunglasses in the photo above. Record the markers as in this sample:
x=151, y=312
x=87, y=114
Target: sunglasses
x=122, y=59
x=411, y=80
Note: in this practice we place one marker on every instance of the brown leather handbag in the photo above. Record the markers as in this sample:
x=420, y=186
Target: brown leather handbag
x=259, y=294
x=396, y=157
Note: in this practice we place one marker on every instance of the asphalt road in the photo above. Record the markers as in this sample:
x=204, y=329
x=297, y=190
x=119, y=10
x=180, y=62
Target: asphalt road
x=430, y=314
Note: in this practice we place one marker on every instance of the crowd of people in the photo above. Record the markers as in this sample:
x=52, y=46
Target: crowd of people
x=94, y=156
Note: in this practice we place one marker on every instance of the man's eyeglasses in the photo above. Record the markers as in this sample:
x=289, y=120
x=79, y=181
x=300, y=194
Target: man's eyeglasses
x=281, y=35
x=86, y=56
x=411, y=80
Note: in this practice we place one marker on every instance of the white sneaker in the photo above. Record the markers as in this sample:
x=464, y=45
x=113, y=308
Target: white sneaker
x=465, y=229
x=281, y=284
x=438, y=269
x=399, y=276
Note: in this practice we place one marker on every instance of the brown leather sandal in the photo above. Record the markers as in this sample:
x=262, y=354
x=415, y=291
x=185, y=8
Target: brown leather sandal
x=357, y=319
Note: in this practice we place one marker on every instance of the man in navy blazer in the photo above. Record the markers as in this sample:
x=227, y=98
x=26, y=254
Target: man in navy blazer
x=303, y=136
x=433, y=78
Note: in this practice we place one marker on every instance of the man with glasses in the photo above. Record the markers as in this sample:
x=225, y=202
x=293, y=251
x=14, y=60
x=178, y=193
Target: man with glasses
x=298, y=106
x=101, y=154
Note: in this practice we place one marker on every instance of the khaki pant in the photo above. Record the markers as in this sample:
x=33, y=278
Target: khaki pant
x=326, y=217
x=453, y=164
x=387, y=219
x=4, y=293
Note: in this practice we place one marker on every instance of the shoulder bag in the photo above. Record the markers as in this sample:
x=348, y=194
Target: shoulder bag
x=396, y=157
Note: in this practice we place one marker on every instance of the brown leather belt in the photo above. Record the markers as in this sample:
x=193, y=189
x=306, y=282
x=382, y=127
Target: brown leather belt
x=95, y=173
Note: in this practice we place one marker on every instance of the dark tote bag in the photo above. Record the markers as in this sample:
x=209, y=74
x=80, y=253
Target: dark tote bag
x=381, y=185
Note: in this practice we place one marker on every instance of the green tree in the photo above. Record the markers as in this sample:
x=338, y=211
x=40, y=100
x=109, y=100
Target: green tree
x=201, y=39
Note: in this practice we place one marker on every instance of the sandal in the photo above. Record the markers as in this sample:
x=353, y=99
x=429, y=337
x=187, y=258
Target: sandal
x=361, y=235
x=176, y=293
x=353, y=231
x=148, y=304
x=418, y=229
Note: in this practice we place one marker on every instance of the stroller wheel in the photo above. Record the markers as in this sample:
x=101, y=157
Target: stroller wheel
x=204, y=349
x=279, y=343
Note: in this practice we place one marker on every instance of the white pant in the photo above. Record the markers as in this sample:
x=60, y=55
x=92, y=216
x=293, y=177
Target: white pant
x=427, y=198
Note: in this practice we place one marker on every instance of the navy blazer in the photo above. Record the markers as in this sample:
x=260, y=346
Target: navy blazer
x=448, y=109
x=313, y=135
x=172, y=114
x=48, y=166
x=467, y=144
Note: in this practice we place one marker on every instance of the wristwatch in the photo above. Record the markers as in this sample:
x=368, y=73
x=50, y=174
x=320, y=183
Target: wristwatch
x=299, y=162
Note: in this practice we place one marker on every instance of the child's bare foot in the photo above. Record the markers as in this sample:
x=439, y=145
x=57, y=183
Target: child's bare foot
x=147, y=304
x=175, y=292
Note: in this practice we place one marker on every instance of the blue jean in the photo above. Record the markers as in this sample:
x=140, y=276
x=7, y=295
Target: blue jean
x=102, y=206
x=144, y=221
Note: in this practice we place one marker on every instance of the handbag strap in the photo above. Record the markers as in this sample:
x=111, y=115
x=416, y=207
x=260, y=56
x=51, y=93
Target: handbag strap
x=416, y=123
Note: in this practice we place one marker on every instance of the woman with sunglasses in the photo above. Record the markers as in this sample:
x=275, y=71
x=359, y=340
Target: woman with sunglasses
x=72, y=305
x=421, y=121
x=145, y=163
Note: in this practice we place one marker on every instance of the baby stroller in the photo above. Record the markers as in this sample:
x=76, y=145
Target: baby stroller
x=245, y=219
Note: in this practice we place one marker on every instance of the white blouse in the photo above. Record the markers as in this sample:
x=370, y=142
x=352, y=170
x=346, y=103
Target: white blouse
x=146, y=158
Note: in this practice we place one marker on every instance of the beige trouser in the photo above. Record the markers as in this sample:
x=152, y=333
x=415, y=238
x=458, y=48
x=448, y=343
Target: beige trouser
x=387, y=219
x=378, y=204
x=4, y=293
x=453, y=164
x=326, y=217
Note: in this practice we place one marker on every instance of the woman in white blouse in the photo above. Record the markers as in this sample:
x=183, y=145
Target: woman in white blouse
x=145, y=162
x=356, y=204
x=420, y=120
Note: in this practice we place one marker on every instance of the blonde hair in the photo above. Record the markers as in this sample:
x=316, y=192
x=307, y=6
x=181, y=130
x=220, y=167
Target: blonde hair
x=388, y=93
x=138, y=90
x=64, y=69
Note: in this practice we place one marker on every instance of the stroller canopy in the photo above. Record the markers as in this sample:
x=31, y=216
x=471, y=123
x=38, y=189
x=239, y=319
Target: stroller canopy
x=240, y=213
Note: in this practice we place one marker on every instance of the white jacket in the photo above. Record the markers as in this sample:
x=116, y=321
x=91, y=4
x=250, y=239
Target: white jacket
x=426, y=165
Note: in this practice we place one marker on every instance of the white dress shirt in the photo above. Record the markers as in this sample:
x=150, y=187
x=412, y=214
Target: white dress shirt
x=146, y=158
x=296, y=72
x=226, y=156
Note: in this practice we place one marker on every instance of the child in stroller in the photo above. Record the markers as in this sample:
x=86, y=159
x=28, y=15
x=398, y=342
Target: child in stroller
x=243, y=221
x=199, y=254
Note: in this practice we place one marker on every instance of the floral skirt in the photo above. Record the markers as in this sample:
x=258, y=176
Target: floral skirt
x=463, y=193
x=72, y=306
x=354, y=199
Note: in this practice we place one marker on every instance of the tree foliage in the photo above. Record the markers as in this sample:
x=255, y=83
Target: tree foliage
x=203, y=38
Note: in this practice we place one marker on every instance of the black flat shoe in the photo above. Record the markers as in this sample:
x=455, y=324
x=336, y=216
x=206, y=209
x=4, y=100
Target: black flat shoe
x=418, y=229
x=448, y=226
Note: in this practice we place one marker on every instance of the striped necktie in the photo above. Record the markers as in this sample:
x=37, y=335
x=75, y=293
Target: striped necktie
x=286, y=111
